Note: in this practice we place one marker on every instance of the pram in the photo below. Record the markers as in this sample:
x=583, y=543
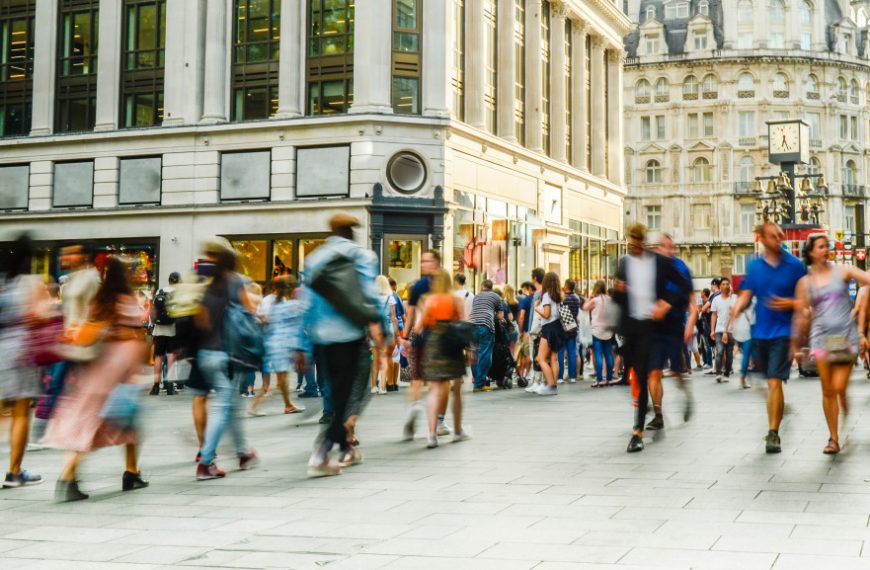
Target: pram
x=504, y=367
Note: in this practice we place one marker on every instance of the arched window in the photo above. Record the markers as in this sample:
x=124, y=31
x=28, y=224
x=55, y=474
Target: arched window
x=780, y=85
x=806, y=13
x=850, y=173
x=812, y=86
x=862, y=18
x=701, y=170
x=710, y=86
x=704, y=8
x=650, y=13
x=747, y=171
x=776, y=17
x=853, y=90
x=653, y=172
x=746, y=85
x=814, y=166
x=642, y=89
x=744, y=11
x=806, y=26
x=842, y=89
x=662, y=88
x=777, y=12
x=690, y=87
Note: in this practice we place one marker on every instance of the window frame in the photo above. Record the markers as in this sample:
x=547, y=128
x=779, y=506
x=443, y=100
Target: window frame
x=80, y=86
x=221, y=199
x=17, y=92
x=142, y=81
x=249, y=77
x=322, y=69
x=159, y=200
x=406, y=64
x=26, y=165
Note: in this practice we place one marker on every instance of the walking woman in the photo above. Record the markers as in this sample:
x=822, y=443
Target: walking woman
x=510, y=298
x=552, y=334
x=281, y=320
x=602, y=335
x=77, y=425
x=380, y=366
x=443, y=361
x=823, y=302
x=23, y=298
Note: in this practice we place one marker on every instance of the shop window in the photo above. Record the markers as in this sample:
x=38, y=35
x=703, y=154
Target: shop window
x=407, y=62
x=313, y=180
x=140, y=180
x=330, y=56
x=14, y=186
x=256, y=38
x=144, y=61
x=73, y=184
x=16, y=66
x=77, y=66
x=246, y=175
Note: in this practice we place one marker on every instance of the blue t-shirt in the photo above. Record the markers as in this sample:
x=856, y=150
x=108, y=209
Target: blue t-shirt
x=675, y=320
x=526, y=305
x=766, y=281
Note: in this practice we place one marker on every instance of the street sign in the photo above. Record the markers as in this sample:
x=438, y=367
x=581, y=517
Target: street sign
x=861, y=254
x=839, y=236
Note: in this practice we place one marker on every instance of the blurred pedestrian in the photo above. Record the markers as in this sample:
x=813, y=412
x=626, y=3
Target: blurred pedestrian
x=486, y=309
x=598, y=306
x=569, y=350
x=387, y=304
x=163, y=333
x=552, y=334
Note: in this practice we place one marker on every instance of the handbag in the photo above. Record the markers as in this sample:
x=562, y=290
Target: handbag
x=338, y=283
x=243, y=336
x=457, y=336
x=122, y=406
x=838, y=351
x=43, y=345
x=569, y=323
x=84, y=342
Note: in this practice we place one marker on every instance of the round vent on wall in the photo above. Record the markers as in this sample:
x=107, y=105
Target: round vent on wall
x=406, y=172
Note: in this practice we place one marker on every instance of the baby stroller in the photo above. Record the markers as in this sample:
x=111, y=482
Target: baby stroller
x=504, y=366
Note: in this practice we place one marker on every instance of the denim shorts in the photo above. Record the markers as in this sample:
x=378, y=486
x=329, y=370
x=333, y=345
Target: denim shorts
x=667, y=349
x=773, y=357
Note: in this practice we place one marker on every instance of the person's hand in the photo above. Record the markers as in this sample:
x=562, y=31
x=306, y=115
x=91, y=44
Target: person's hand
x=725, y=338
x=688, y=334
x=300, y=362
x=712, y=336
x=780, y=303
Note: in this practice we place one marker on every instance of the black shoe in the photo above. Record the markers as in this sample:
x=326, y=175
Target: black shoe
x=656, y=423
x=155, y=390
x=170, y=389
x=326, y=418
x=635, y=444
x=68, y=491
x=132, y=481
x=772, y=443
x=309, y=395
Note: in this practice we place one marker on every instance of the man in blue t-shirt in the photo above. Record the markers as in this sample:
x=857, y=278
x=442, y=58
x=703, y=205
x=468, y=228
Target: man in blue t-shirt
x=772, y=279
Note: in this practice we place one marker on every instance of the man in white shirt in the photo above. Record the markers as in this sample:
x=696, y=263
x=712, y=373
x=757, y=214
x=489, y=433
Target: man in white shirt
x=720, y=311
x=460, y=292
x=163, y=335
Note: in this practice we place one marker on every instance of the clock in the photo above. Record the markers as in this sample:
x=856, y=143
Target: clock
x=788, y=141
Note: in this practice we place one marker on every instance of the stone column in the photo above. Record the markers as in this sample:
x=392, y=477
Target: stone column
x=534, y=77
x=109, y=65
x=437, y=59
x=372, y=58
x=44, y=67
x=578, y=92
x=507, y=71
x=291, y=64
x=558, y=105
x=475, y=71
x=216, y=63
x=615, y=128
x=599, y=114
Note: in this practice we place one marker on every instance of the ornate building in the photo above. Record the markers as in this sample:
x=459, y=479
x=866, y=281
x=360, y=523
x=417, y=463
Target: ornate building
x=702, y=77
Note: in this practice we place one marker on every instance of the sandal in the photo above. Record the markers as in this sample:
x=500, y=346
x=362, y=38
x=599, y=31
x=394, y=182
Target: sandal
x=294, y=410
x=833, y=448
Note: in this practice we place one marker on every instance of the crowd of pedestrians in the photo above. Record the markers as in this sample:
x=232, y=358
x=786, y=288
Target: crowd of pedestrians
x=344, y=334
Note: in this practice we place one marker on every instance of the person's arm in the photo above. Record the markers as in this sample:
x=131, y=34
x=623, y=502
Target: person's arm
x=713, y=319
x=739, y=306
x=589, y=304
x=521, y=319
x=418, y=326
x=459, y=304
x=800, y=318
x=861, y=308
x=690, y=324
x=543, y=309
x=394, y=317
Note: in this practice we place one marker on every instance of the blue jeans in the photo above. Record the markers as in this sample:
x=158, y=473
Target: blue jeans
x=603, y=353
x=249, y=378
x=310, y=381
x=747, y=348
x=485, y=342
x=320, y=360
x=570, y=347
x=214, y=365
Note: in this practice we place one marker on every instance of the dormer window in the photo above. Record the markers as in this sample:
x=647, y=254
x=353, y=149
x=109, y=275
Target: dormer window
x=677, y=10
x=699, y=40
x=704, y=8
x=651, y=44
x=650, y=13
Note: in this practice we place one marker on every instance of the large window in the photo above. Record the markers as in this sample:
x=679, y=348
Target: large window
x=77, y=66
x=747, y=218
x=256, y=36
x=457, y=78
x=653, y=215
x=16, y=66
x=701, y=171
x=407, y=33
x=143, y=64
x=653, y=172
x=330, y=56
x=490, y=62
x=520, y=70
x=545, y=75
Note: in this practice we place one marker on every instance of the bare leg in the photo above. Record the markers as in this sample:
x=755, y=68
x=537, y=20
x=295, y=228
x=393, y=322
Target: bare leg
x=69, y=470
x=775, y=403
x=544, y=361
x=285, y=390
x=258, y=399
x=131, y=456
x=158, y=369
x=445, y=399
x=433, y=405
x=457, y=405
x=375, y=368
x=200, y=415
x=19, y=431
x=656, y=390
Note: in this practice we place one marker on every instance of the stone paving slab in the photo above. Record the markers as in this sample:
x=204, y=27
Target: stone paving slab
x=545, y=484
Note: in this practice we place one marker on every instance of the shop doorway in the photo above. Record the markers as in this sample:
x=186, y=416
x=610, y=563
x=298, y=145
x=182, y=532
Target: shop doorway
x=401, y=257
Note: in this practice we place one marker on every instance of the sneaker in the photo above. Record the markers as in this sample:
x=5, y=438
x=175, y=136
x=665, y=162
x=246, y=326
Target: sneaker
x=170, y=389
x=573, y=380
x=21, y=479
x=155, y=390
x=560, y=381
x=410, y=423
x=772, y=442
x=131, y=481
x=711, y=372
x=718, y=379
x=374, y=390
x=442, y=429
x=352, y=456
x=725, y=379
x=460, y=437
x=198, y=457
x=68, y=491
x=432, y=442
x=546, y=390
x=325, y=469
x=533, y=388
x=635, y=444
x=210, y=471
x=248, y=460
x=657, y=423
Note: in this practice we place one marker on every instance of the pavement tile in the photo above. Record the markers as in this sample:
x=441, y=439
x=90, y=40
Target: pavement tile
x=163, y=554
x=555, y=552
x=802, y=562
x=457, y=547
x=719, y=560
x=428, y=563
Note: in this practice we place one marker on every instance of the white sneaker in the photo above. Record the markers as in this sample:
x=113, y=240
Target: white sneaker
x=546, y=390
x=374, y=390
x=431, y=442
x=410, y=423
x=560, y=381
x=532, y=388
x=460, y=437
x=573, y=380
x=442, y=429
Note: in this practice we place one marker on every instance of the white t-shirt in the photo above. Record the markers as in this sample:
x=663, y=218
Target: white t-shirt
x=554, y=309
x=641, y=275
x=722, y=307
x=468, y=298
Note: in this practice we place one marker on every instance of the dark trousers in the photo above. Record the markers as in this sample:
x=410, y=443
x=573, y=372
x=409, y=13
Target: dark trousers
x=346, y=364
x=637, y=350
x=320, y=361
x=724, y=355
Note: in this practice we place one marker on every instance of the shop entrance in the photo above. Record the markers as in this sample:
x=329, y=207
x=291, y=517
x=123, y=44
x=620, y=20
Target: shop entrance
x=401, y=257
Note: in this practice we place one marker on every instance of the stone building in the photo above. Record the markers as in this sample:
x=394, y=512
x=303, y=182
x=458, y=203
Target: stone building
x=489, y=129
x=703, y=77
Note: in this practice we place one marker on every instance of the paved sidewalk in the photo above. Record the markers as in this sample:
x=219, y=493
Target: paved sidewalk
x=544, y=484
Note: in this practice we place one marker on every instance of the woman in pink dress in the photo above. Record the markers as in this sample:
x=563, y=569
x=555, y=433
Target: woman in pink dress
x=77, y=426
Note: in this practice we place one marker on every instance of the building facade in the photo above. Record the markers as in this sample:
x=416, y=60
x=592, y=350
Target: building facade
x=703, y=77
x=487, y=129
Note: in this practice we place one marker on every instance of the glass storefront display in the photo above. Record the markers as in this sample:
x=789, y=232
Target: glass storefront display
x=594, y=254
x=262, y=258
x=403, y=261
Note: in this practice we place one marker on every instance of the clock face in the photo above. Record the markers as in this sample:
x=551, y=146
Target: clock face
x=784, y=138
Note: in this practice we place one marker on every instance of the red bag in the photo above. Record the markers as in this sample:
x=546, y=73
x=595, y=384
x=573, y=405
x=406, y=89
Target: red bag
x=44, y=341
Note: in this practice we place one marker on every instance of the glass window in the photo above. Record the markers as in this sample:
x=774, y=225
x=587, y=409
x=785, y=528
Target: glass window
x=660, y=127
x=653, y=216
x=407, y=59
x=690, y=87
x=144, y=61
x=814, y=121
x=653, y=172
x=16, y=67
x=662, y=87
x=710, y=86
x=812, y=84
x=545, y=76
x=746, y=123
x=457, y=78
x=708, y=124
x=642, y=89
x=701, y=216
x=406, y=36
x=747, y=218
x=330, y=56
x=744, y=11
x=312, y=180
x=406, y=95
x=692, y=125
x=77, y=65
x=746, y=83
x=701, y=170
x=520, y=70
x=256, y=50
x=645, y=128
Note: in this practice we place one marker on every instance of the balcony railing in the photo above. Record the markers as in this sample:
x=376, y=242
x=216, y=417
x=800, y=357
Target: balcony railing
x=854, y=99
x=743, y=188
x=663, y=98
x=747, y=141
x=853, y=190
x=641, y=99
x=746, y=94
x=690, y=96
x=815, y=143
x=813, y=95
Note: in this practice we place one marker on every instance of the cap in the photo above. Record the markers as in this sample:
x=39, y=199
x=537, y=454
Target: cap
x=217, y=244
x=340, y=221
x=174, y=277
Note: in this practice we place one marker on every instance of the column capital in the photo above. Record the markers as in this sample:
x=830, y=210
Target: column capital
x=616, y=55
x=558, y=9
x=598, y=42
x=580, y=27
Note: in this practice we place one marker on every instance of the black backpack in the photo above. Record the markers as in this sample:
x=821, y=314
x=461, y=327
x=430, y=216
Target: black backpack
x=161, y=314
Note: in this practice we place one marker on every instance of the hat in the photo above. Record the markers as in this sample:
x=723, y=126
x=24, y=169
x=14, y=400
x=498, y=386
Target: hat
x=174, y=277
x=217, y=244
x=341, y=221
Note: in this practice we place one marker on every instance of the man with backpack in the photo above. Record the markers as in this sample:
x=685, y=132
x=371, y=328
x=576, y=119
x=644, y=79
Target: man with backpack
x=163, y=334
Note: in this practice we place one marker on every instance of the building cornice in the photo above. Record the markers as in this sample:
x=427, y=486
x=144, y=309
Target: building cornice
x=607, y=14
x=746, y=61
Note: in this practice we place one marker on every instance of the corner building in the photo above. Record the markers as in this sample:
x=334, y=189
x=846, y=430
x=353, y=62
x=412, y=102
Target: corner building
x=702, y=77
x=488, y=129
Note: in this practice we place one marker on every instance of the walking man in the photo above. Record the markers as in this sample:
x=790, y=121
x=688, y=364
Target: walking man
x=487, y=307
x=721, y=316
x=772, y=279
